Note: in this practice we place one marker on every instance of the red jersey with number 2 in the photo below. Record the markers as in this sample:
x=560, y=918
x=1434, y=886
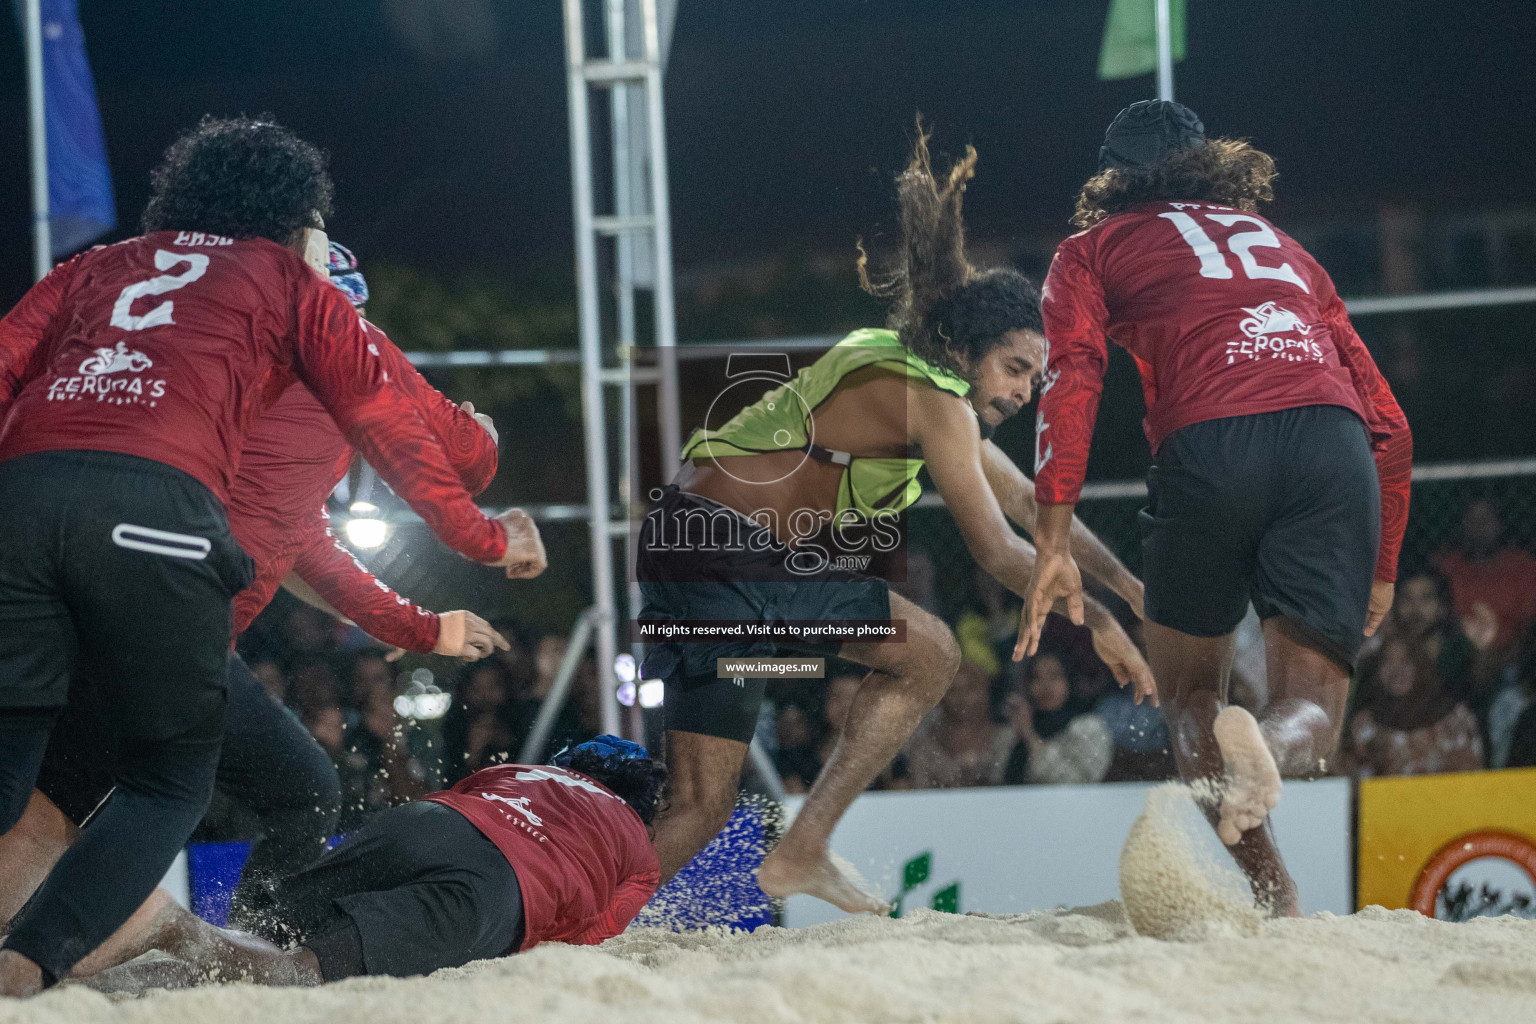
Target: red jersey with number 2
x=170, y=346
x=1225, y=315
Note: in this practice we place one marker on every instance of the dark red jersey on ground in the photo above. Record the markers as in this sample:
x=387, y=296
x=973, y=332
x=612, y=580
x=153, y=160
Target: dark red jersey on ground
x=582, y=855
x=1225, y=315
x=293, y=458
x=170, y=346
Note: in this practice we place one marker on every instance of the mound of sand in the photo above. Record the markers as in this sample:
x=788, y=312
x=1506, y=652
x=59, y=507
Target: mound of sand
x=1171, y=889
x=1081, y=965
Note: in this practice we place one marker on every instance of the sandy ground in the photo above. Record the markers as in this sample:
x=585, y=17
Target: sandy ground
x=1219, y=962
x=1083, y=965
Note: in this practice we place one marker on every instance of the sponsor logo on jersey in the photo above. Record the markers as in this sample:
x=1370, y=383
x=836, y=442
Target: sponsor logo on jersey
x=517, y=811
x=111, y=375
x=116, y=360
x=521, y=804
x=1276, y=331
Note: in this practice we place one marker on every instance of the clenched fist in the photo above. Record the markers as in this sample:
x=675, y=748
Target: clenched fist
x=525, y=556
x=482, y=419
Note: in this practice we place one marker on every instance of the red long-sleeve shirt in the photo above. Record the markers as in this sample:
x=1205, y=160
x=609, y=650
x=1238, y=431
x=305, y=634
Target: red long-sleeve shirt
x=169, y=347
x=346, y=585
x=582, y=855
x=293, y=458
x=1225, y=315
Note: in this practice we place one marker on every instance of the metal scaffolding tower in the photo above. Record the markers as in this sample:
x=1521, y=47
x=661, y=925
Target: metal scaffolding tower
x=637, y=220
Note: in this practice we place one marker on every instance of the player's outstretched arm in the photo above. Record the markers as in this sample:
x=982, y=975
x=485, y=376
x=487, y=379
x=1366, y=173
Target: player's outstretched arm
x=468, y=438
x=339, y=363
x=350, y=592
x=1076, y=319
x=1016, y=495
x=945, y=428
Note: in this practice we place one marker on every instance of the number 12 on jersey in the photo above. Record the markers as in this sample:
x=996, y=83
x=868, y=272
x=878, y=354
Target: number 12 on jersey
x=1213, y=263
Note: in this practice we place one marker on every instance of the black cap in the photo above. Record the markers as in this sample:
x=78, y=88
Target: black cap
x=1144, y=131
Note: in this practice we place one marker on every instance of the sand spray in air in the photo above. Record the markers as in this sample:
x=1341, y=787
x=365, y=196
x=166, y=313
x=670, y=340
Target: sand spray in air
x=1173, y=889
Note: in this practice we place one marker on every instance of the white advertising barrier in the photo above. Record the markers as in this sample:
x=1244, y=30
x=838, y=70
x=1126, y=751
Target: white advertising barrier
x=176, y=881
x=1013, y=849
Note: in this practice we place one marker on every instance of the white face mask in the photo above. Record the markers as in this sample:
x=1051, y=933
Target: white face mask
x=316, y=249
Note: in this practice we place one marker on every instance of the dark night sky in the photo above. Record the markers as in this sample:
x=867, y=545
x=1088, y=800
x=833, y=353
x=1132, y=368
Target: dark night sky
x=786, y=116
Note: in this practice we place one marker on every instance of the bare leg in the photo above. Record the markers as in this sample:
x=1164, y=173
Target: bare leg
x=214, y=954
x=1308, y=691
x=29, y=851
x=704, y=774
x=150, y=927
x=226, y=955
x=906, y=682
x=1191, y=675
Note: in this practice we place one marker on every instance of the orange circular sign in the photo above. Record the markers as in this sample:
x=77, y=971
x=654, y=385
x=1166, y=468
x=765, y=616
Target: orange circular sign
x=1509, y=846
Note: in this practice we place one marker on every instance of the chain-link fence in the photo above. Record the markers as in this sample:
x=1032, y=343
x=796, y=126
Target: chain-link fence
x=417, y=564
x=1441, y=496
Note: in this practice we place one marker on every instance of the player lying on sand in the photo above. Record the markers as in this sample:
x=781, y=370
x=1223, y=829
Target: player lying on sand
x=1281, y=461
x=963, y=354
x=510, y=857
x=269, y=763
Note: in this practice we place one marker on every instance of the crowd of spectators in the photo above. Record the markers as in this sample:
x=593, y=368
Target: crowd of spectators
x=347, y=691
x=1448, y=684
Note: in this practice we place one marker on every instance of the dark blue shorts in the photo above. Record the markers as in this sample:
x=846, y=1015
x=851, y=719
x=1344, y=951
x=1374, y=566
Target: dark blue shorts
x=1282, y=509
x=699, y=560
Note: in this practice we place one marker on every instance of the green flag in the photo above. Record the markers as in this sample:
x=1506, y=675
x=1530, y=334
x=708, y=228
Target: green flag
x=1130, y=37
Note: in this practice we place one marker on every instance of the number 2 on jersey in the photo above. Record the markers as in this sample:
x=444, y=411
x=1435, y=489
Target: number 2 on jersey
x=1214, y=264
x=161, y=314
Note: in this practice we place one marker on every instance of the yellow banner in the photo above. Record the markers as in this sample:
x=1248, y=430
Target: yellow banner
x=1449, y=846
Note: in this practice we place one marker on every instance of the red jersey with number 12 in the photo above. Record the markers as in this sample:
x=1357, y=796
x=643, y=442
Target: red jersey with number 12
x=1225, y=315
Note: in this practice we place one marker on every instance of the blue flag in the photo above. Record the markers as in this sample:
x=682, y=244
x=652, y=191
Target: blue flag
x=80, y=204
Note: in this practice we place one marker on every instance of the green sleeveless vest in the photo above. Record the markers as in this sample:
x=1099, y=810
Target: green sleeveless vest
x=781, y=421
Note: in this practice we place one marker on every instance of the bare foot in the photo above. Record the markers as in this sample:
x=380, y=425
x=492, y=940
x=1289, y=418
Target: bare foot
x=1253, y=781
x=780, y=877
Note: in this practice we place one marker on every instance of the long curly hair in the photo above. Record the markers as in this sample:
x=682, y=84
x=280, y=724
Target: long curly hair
x=241, y=177
x=640, y=781
x=1226, y=171
x=946, y=311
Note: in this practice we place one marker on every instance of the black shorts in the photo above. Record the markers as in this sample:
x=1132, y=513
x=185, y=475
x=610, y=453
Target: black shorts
x=122, y=569
x=268, y=761
x=701, y=560
x=1282, y=509
x=415, y=890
